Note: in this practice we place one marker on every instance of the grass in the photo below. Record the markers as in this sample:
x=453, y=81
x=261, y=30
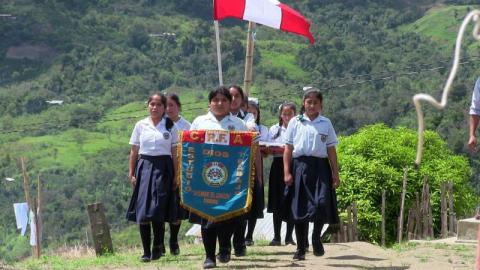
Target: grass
x=440, y=23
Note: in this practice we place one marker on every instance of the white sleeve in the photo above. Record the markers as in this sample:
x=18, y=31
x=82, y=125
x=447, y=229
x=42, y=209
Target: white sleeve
x=135, y=138
x=174, y=133
x=332, y=136
x=194, y=125
x=475, y=108
x=250, y=121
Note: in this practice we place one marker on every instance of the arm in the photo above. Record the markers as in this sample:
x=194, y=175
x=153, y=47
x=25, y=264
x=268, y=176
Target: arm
x=332, y=157
x=472, y=141
x=287, y=158
x=176, y=180
x=132, y=164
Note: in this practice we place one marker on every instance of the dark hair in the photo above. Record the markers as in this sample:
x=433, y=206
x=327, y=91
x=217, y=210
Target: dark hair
x=257, y=107
x=239, y=89
x=221, y=90
x=280, y=120
x=163, y=100
x=175, y=99
x=310, y=91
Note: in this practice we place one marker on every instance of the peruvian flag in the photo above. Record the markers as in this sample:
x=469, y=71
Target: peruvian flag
x=267, y=12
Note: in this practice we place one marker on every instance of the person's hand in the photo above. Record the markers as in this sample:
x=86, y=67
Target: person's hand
x=472, y=144
x=133, y=180
x=176, y=183
x=288, y=179
x=335, y=181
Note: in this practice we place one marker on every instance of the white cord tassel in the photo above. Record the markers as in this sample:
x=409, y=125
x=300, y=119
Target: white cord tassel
x=472, y=16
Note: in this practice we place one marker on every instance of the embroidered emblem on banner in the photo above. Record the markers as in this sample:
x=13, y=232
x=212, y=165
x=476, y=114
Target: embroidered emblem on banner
x=166, y=135
x=215, y=174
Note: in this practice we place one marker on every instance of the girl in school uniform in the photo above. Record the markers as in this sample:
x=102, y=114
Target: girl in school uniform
x=313, y=173
x=258, y=202
x=238, y=101
x=153, y=175
x=218, y=118
x=178, y=213
x=276, y=185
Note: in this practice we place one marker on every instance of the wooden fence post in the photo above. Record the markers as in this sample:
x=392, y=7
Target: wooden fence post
x=383, y=218
x=402, y=204
x=443, y=209
x=355, y=221
x=100, y=229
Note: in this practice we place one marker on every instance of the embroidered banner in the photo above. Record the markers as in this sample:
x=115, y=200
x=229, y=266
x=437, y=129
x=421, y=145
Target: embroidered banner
x=216, y=171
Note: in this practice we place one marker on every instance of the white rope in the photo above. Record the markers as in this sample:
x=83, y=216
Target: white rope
x=472, y=16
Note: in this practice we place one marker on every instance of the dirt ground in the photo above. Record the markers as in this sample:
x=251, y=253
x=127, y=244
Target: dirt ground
x=361, y=255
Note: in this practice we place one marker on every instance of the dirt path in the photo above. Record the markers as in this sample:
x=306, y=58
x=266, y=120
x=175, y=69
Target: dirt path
x=361, y=255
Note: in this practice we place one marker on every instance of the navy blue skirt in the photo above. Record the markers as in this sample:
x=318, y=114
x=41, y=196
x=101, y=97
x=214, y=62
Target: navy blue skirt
x=313, y=198
x=276, y=186
x=152, y=198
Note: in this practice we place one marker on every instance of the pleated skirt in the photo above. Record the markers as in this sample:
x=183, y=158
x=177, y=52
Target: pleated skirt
x=152, y=198
x=312, y=196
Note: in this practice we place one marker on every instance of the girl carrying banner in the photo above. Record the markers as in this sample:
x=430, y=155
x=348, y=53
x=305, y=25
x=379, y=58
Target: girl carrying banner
x=152, y=173
x=313, y=174
x=218, y=118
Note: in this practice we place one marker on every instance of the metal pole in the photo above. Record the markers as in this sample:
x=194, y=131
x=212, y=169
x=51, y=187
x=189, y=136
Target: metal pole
x=247, y=82
x=219, y=53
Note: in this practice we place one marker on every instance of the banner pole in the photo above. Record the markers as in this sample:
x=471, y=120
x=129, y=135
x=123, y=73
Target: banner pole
x=219, y=53
x=247, y=82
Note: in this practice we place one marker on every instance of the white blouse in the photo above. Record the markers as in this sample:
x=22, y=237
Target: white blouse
x=154, y=140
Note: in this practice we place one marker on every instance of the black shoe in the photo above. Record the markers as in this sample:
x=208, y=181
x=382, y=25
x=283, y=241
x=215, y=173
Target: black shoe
x=174, y=249
x=223, y=258
x=275, y=242
x=241, y=252
x=209, y=263
x=157, y=253
x=299, y=255
x=290, y=242
x=249, y=242
x=318, y=249
x=145, y=258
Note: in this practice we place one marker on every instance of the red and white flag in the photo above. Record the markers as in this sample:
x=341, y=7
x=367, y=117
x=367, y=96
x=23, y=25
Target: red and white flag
x=267, y=12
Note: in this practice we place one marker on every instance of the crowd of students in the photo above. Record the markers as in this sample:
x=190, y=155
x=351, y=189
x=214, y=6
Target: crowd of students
x=302, y=179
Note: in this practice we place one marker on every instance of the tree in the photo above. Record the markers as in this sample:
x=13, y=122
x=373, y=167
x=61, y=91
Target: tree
x=373, y=159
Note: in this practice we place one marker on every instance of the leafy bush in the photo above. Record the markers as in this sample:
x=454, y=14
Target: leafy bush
x=374, y=159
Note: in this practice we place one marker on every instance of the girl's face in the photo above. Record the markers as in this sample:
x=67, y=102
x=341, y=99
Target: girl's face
x=220, y=105
x=237, y=100
x=172, y=109
x=253, y=110
x=313, y=106
x=156, y=107
x=287, y=114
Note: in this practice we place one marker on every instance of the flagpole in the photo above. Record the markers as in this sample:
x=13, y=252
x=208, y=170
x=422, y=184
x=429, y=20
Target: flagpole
x=247, y=82
x=219, y=53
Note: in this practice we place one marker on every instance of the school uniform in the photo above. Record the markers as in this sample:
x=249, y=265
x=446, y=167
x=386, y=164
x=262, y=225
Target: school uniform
x=182, y=124
x=313, y=198
x=247, y=117
x=224, y=229
x=178, y=212
x=258, y=201
x=154, y=171
x=151, y=202
x=277, y=197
